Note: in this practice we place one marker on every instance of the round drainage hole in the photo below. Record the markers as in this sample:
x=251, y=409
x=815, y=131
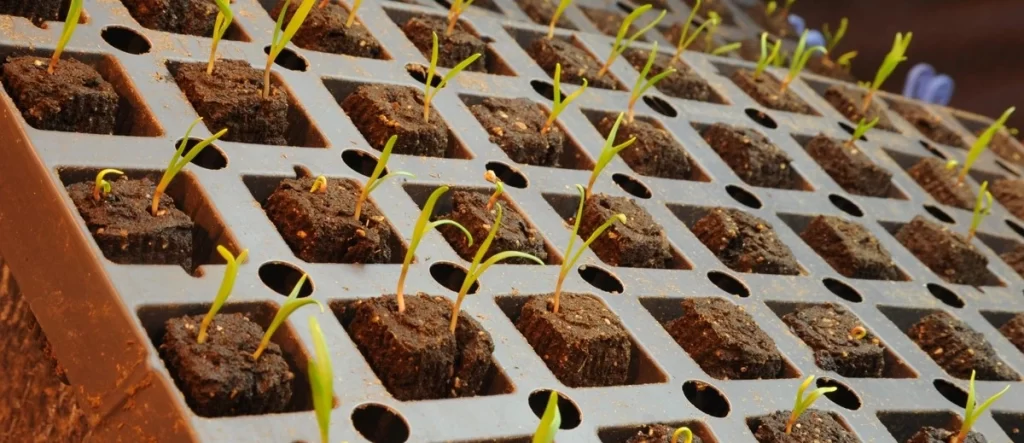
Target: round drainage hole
x=601, y=279
x=761, y=118
x=509, y=175
x=945, y=295
x=282, y=278
x=419, y=73
x=1007, y=168
x=660, y=106
x=743, y=196
x=842, y=290
x=1016, y=227
x=844, y=204
x=451, y=276
x=361, y=162
x=545, y=89
x=728, y=283
x=631, y=185
x=935, y=151
x=842, y=396
x=380, y=424
x=126, y=39
x=952, y=392
x=571, y=414
x=850, y=130
x=289, y=59
x=707, y=398
x=939, y=214
x=211, y=156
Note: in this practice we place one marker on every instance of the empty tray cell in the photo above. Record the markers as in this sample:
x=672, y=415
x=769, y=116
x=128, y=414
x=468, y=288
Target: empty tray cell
x=685, y=83
x=946, y=253
x=325, y=30
x=745, y=243
x=850, y=167
x=849, y=101
x=1014, y=257
x=655, y=153
x=847, y=246
x=752, y=156
x=941, y=182
x=929, y=124
x=190, y=17
x=813, y=426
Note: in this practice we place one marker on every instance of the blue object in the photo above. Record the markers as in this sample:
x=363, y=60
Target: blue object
x=924, y=84
x=797, y=22
x=815, y=38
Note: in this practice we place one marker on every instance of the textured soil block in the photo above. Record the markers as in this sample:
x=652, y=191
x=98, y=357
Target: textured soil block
x=219, y=377
x=37, y=11
x=826, y=329
x=75, y=98
x=451, y=49
x=541, y=11
x=1014, y=331
x=515, y=233
x=767, y=90
x=127, y=232
x=672, y=35
x=725, y=341
x=825, y=66
x=584, y=344
x=1005, y=146
x=850, y=102
x=935, y=435
x=639, y=243
x=958, y=349
x=939, y=181
x=1010, y=194
x=608, y=22
x=751, y=156
x=1015, y=259
x=324, y=30
x=656, y=153
x=850, y=167
x=514, y=124
x=812, y=426
x=946, y=253
x=192, y=17
x=684, y=83
x=319, y=226
x=380, y=111
x=657, y=434
x=414, y=354
x=745, y=243
x=930, y=125
x=777, y=24
x=850, y=249
x=232, y=98
x=577, y=63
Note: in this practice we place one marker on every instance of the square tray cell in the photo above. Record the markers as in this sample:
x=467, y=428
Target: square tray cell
x=1010, y=324
x=850, y=167
x=577, y=62
x=927, y=123
x=848, y=100
x=685, y=83
x=766, y=90
x=324, y=30
x=191, y=17
x=946, y=252
x=655, y=153
x=743, y=242
x=848, y=247
x=752, y=156
x=470, y=42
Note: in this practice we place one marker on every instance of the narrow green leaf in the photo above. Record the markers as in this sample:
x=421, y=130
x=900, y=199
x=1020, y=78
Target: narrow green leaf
x=766, y=57
x=724, y=49
x=321, y=380
x=178, y=162
x=554, y=18
x=608, y=152
x=102, y=187
x=457, y=69
x=290, y=305
x=228, y=283
x=429, y=85
x=801, y=56
x=982, y=142
x=681, y=431
x=549, y=422
x=568, y=264
x=293, y=27
x=422, y=223
x=621, y=218
x=894, y=57
x=457, y=225
x=70, y=23
x=844, y=60
x=220, y=26
x=863, y=127
x=832, y=40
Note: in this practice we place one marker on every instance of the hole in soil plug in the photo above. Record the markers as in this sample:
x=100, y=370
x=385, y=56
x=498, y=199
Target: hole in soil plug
x=624, y=7
x=842, y=290
x=850, y=130
x=601, y=279
x=511, y=176
x=361, y=162
x=289, y=60
x=952, y=392
x=728, y=283
x=380, y=424
x=211, y=157
x=126, y=39
x=545, y=89
x=1007, y=168
x=707, y=398
x=743, y=196
x=571, y=414
x=761, y=118
x=935, y=151
x=842, y=396
x=660, y=106
x=282, y=278
x=1016, y=227
x=419, y=73
x=845, y=205
x=945, y=295
x=939, y=214
x=451, y=276
x=632, y=185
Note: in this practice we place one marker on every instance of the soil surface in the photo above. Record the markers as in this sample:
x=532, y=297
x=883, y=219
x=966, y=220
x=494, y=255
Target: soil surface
x=75, y=98
x=191, y=17
x=827, y=330
x=725, y=340
x=1014, y=331
x=469, y=208
x=608, y=22
x=219, y=377
x=745, y=243
x=1010, y=194
x=825, y=66
x=850, y=167
x=320, y=228
x=541, y=11
x=946, y=253
x=577, y=63
x=684, y=83
x=766, y=90
x=1015, y=259
x=324, y=30
x=850, y=249
x=939, y=181
x=657, y=434
x=751, y=156
x=932, y=435
x=813, y=426
x=929, y=124
x=414, y=354
x=127, y=232
x=37, y=11
x=514, y=124
x=232, y=98
x=849, y=102
x=959, y=349
x=451, y=49
x=639, y=243
x=1005, y=146
x=584, y=344
x=380, y=111
x=655, y=153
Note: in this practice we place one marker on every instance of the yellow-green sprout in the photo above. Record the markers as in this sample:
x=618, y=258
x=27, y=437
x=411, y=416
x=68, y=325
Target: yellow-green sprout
x=458, y=7
x=499, y=188
x=982, y=208
x=771, y=7
x=321, y=380
x=559, y=104
x=319, y=185
x=858, y=332
x=477, y=269
x=972, y=410
x=74, y=12
x=832, y=40
x=281, y=38
x=569, y=263
x=423, y=224
x=220, y=26
x=549, y=422
x=102, y=187
x=951, y=164
x=429, y=90
x=643, y=83
x=896, y=55
x=844, y=60
x=982, y=142
x=862, y=128
x=290, y=305
x=801, y=55
x=179, y=160
x=230, y=273
x=375, y=179
x=608, y=152
x=709, y=42
x=352, y=13
x=682, y=431
x=554, y=18
x=766, y=55
x=619, y=46
x=684, y=42
x=803, y=403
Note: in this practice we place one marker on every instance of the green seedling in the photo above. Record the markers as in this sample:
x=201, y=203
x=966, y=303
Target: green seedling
x=281, y=38
x=714, y=21
x=549, y=422
x=643, y=83
x=499, y=188
x=684, y=42
x=682, y=431
x=619, y=47
x=375, y=179
x=321, y=379
x=894, y=57
x=608, y=152
x=727, y=48
x=569, y=263
x=423, y=224
x=982, y=142
x=220, y=26
x=458, y=7
x=74, y=12
x=862, y=128
x=102, y=187
x=430, y=91
x=179, y=160
x=559, y=104
x=319, y=185
x=832, y=40
x=766, y=55
x=972, y=410
x=771, y=7
x=801, y=55
x=803, y=403
x=290, y=305
x=982, y=208
x=225, y=288
x=477, y=269
x=352, y=13
x=554, y=18
x=951, y=164
x=844, y=60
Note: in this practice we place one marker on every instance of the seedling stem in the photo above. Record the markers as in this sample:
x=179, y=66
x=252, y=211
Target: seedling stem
x=429, y=90
x=799, y=59
x=862, y=128
x=74, y=12
x=832, y=40
x=321, y=380
x=290, y=305
x=981, y=143
x=681, y=431
x=375, y=179
x=549, y=422
x=893, y=58
x=554, y=18
x=458, y=7
x=280, y=39
x=220, y=26
x=499, y=188
x=618, y=47
x=972, y=411
x=179, y=160
x=352, y=13
x=683, y=41
x=102, y=187
x=802, y=403
x=569, y=263
x=608, y=152
x=230, y=273
x=766, y=56
x=982, y=208
x=319, y=185
x=560, y=105
x=643, y=84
